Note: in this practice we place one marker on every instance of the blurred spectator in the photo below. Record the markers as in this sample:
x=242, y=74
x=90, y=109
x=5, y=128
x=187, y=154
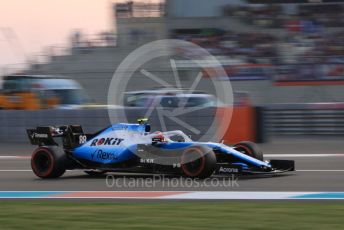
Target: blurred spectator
x=247, y=47
x=309, y=45
x=329, y=15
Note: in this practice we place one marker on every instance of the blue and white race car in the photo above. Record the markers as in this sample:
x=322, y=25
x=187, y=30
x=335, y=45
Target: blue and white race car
x=134, y=148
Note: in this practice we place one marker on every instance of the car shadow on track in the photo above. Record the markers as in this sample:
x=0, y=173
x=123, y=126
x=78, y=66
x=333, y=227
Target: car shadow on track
x=167, y=176
x=253, y=177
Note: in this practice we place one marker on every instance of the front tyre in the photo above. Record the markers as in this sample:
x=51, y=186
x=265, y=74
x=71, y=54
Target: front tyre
x=198, y=162
x=49, y=162
x=249, y=148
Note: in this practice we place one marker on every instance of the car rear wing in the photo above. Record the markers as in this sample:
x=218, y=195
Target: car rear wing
x=41, y=136
x=72, y=135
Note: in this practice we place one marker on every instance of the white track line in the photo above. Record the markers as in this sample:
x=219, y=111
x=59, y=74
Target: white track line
x=320, y=170
x=305, y=155
x=15, y=157
x=30, y=170
x=15, y=170
x=188, y=195
x=257, y=195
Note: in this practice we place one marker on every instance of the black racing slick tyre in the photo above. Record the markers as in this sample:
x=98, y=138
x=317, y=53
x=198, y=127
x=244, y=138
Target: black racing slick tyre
x=249, y=148
x=198, y=162
x=49, y=162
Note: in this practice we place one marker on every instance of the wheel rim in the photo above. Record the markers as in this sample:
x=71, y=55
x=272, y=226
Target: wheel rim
x=193, y=162
x=42, y=163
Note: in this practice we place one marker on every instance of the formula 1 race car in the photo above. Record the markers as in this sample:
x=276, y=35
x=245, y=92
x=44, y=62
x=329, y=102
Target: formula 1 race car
x=133, y=148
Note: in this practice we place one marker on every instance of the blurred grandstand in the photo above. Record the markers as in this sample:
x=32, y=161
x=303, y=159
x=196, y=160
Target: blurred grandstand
x=286, y=43
x=282, y=52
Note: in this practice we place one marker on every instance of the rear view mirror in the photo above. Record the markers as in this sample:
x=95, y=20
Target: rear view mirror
x=147, y=128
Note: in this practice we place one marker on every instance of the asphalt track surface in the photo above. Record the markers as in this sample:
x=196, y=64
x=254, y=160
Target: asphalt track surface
x=319, y=164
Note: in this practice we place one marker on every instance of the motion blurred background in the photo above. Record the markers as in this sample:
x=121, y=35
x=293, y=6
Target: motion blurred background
x=284, y=58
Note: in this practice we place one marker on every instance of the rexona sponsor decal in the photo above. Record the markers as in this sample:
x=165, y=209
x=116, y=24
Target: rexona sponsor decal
x=106, y=141
x=100, y=154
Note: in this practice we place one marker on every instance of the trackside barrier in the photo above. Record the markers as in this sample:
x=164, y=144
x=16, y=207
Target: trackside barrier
x=14, y=123
x=305, y=119
x=247, y=124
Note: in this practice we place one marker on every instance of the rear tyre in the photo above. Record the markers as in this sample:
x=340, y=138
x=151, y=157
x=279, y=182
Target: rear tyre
x=198, y=162
x=251, y=149
x=49, y=162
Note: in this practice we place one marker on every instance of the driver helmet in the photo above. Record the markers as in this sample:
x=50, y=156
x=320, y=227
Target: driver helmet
x=159, y=137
